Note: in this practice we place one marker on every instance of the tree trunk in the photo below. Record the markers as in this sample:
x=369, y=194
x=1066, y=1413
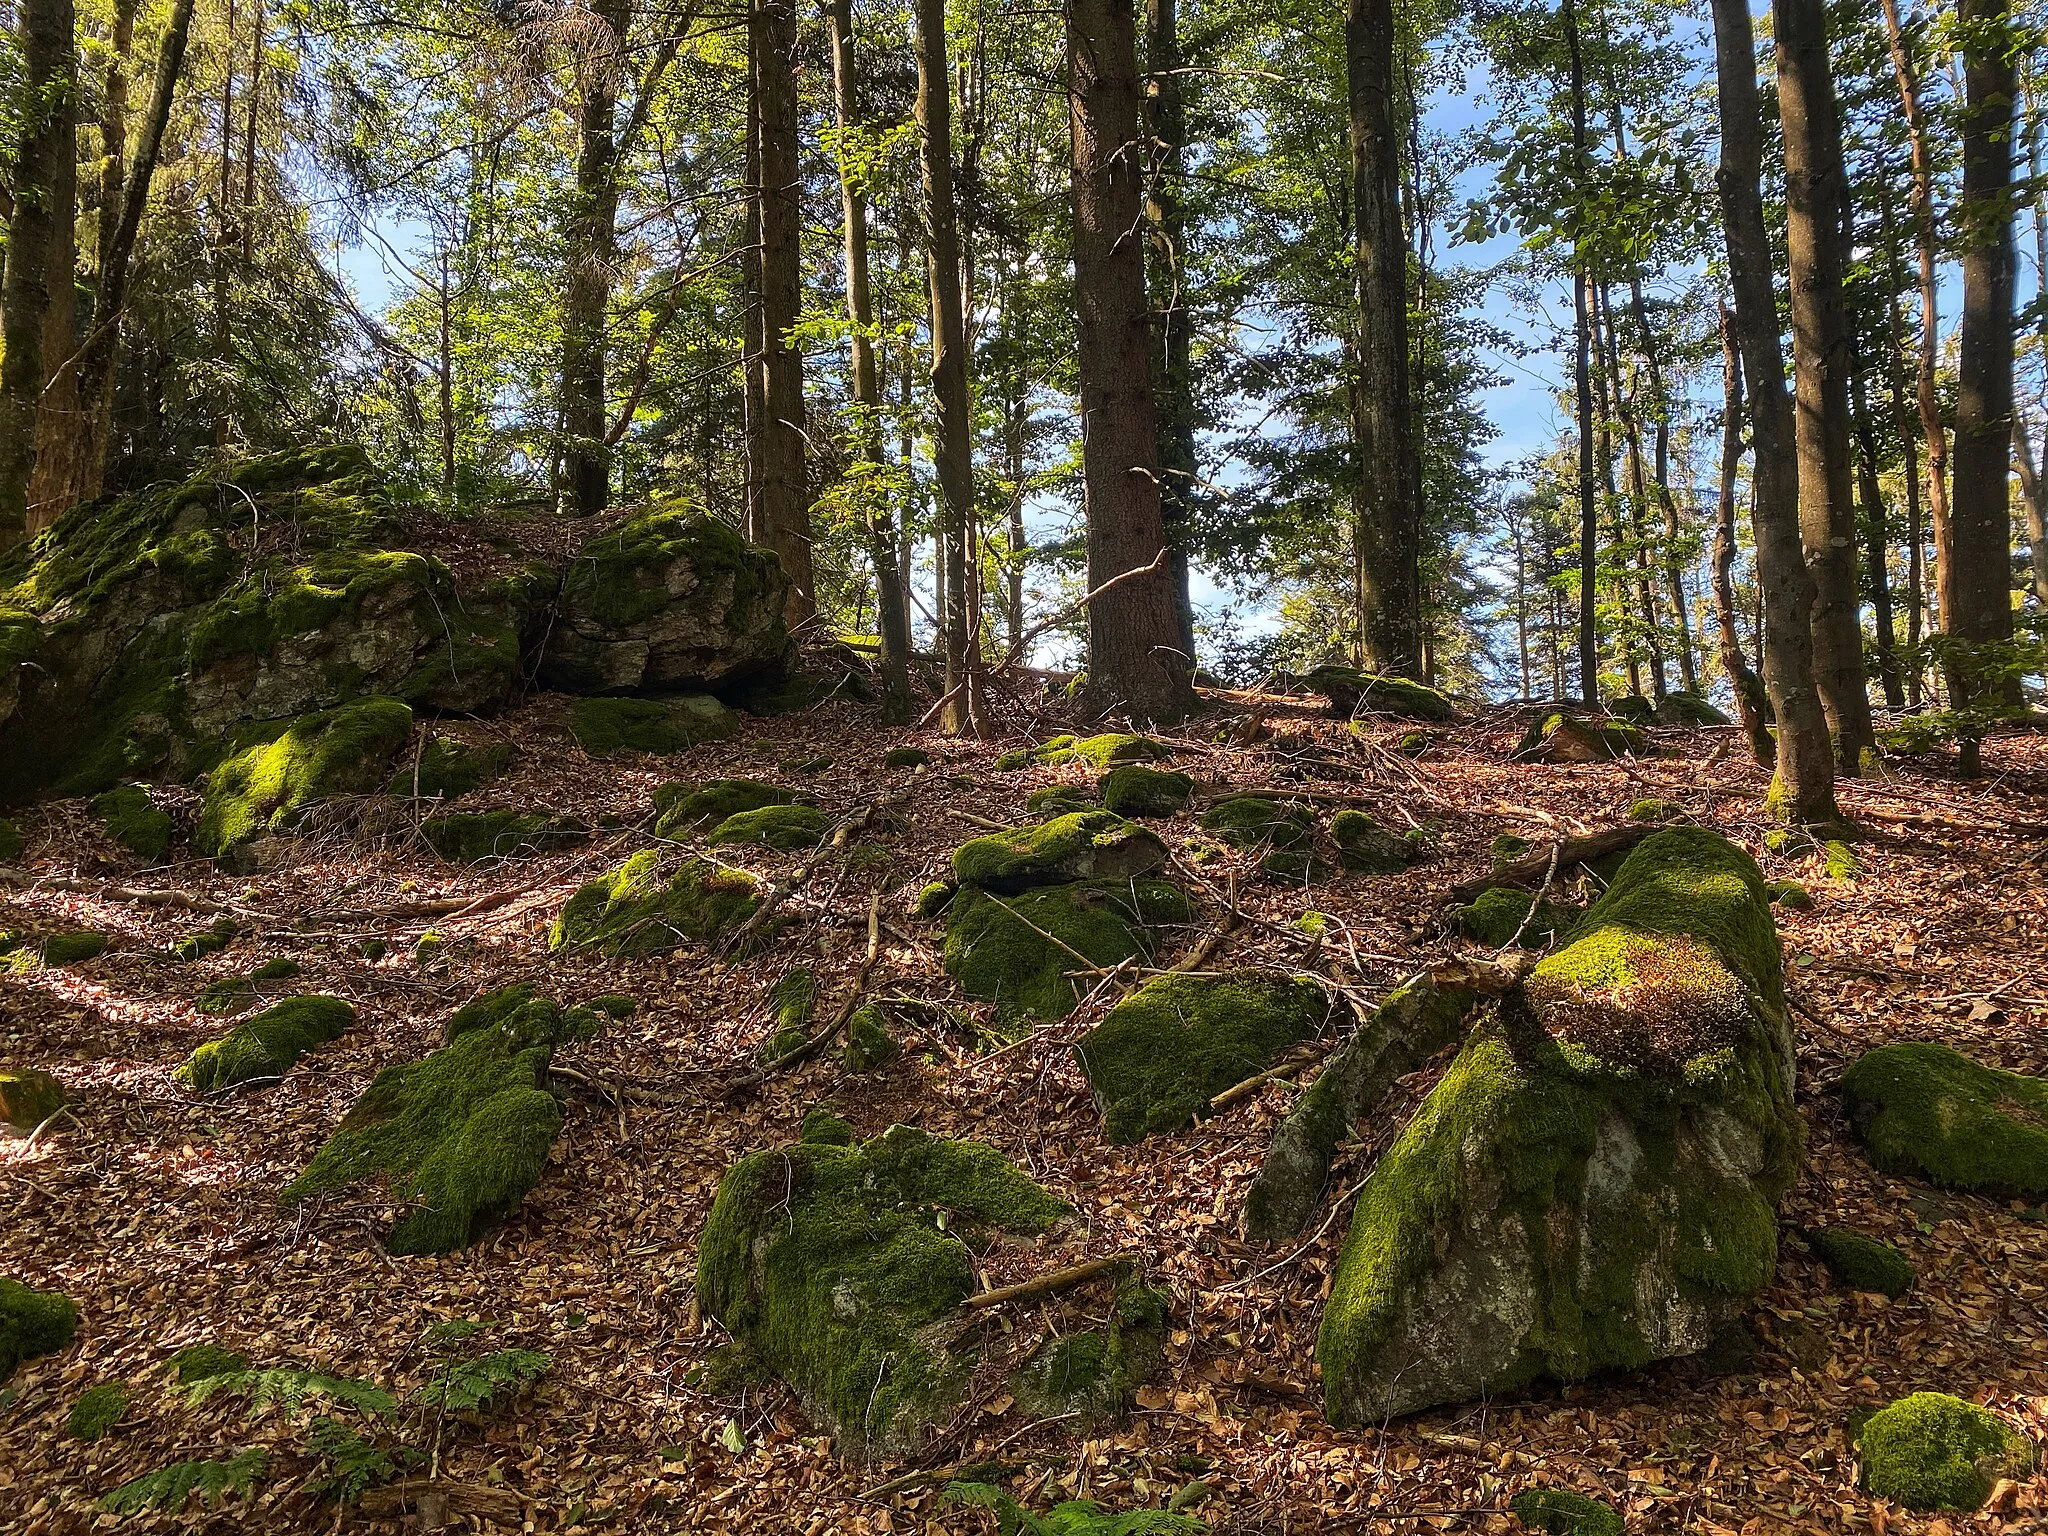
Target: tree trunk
x=593, y=253
x=1134, y=656
x=782, y=497
x=1389, y=542
x=2032, y=494
x=1877, y=542
x=1895, y=385
x=1638, y=493
x=57, y=415
x=1803, y=788
x=1172, y=325
x=1752, y=704
x=1815, y=190
x=1589, y=515
x=892, y=613
x=48, y=95
x=1674, y=570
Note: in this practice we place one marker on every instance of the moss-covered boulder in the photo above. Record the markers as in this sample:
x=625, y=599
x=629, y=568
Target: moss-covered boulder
x=32, y=1323
x=1094, y=1374
x=841, y=1268
x=1560, y=737
x=1162, y=1053
x=1930, y=1112
x=1933, y=1451
x=1253, y=821
x=870, y=1043
x=1352, y=693
x=458, y=1137
x=791, y=1002
x=1790, y=895
x=1082, y=845
x=1495, y=916
x=1560, y=1512
x=293, y=765
x=133, y=820
x=1682, y=708
x=1633, y=708
x=1017, y=951
x=668, y=601
x=266, y=1044
x=1366, y=847
x=783, y=827
x=447, y=766
x=1062, y=800
x=475, y=837
x=661, y=727
x=1098, y=752
x=98, y=1410
x=233, y=994
x=683, y=808
x=1132, y=789
x=28, y=1097
x=25, y=951
x=1594, y=1182
x=906, y=757
x=638, y=909
x=1653, y=809
x=1861, y=1262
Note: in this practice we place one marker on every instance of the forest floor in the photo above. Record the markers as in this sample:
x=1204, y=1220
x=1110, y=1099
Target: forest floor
x=157, y=1211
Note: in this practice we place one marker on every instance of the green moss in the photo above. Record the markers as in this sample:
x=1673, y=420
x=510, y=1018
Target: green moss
x=1655, y=810
x=806, y=767
x=203, y=1362
x=28, y=1096
x=1682, y=708
x=1789, y=894
x=231, y=994
x=1859, y=1262
x=335, y=752
x=73, y=946
x=266, y=1044
x=1061, y=800
x=1495, y=916
x=1560, y=1512
x=603, y=726
x=449, y=766
x=1095, y=1374
x=1253, y=821
x=1135, y=790
x=1166, y=1050
x=1933, y=1451
x=829, y=1263
x=11, y=842
x=1841, y=860
x=427, y=949
x=475, y=837
x=683, y=808
x=210, y=940
x=621, y=578
x=614, y=1005
x=1414, y=743
x=785, y=827
x=1918, y=735
x=906, y=757
x=792, y=999
x=32, y=1323
x=822, y=1128
x=1079, y=846
x=1925, y=1110
x=98, y=1410
x=1368, y=848
x=1559, y=737
x=133, y=821
x=1505, y=849
x=1352, y=692
x=1632, y=707
x=1098, y=752
x=636, y=910
x=461, y=1135
x=869, y=1043
x=999, y=951
x=934, y=899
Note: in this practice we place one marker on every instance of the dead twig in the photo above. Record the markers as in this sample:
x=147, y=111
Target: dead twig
x=1047, y=1284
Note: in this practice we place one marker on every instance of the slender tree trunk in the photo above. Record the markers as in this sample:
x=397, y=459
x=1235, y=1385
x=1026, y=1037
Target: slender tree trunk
x=1803, y=789
x=1815, y=190
x=2033, y=495
x=892, y=612
x=445, y=370
x=57, y=417
x=1638, y=496
x=1877, y=542
x=1589, y=515
x=48, y=94
x=1172, y=324
x=1521, y=598
x=1134, y=657
x=1674, y=536
x=1389, y=530
x=1895, y=383
x=1752, y=703
x=2035, y=500
x=593, y=253
x=784, y=524
x=753, y=349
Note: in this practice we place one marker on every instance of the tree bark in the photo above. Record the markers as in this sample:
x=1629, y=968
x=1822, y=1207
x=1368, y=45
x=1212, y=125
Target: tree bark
x=2033, y=495
x=1589, y=515
x=1877, y=542
x=1135, y=661
x=593, y=254
x=1674, y=570
x=1618, y=407
x=57, y=414
x=1815, y=190
x=1895, y=385
x=1803, y=787
x=1172, y=324
x=1752, y=703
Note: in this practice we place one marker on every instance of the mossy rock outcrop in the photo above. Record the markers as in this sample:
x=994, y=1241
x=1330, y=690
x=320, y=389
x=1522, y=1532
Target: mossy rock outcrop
x=1132, y=789
x=447, y=767
x=1594, y=1182
x=1161, y=1054
x=785, y=828
x=25, y=951
x=1567, y=738
x=32, y=1323
x=1254, y=821
x=133, y=820
x=1094, y=1374
x=1932, y=1451
x=296, y=764
x=829, y=1263
x=1924, y=1110
x=661, y=727
x=28, y=1097
x=1098, y=752
x=1495, y=916
x=233, y=994
x=1366, y=847
x=1082, y=845
x=472, y=837
x=683, y=808
x=460, y=1136
x=1352, y=693
x=267, y=1044
x=1062, y=800
x=998, y=950
x=639, y=910
x=1861, y=1262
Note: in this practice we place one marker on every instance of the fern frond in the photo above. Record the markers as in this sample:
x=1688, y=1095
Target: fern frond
x=464, y=1386
x=357, y=1462
x=169, y=1487
x=290, y=1387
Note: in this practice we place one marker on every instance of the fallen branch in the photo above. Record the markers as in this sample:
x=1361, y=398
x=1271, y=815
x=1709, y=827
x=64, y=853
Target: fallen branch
x=1045, y=1285
x=1576, y=850
x=786, y=887
x=436, y=1499
x=845, y=1011
x=139, y=896
x=1253, y=1084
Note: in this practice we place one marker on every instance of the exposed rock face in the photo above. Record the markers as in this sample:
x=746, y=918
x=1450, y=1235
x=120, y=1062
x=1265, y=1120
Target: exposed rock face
x=1595, y=1181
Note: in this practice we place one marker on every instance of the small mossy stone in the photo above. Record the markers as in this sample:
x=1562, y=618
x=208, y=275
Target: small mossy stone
x=783, y=827
x=792, y=999
x=1926, y=1110
x=1841, y=862
x=998, y=950
x=1495, y=917
x=133, y=821
x=806, y=767
x=32, y=1323
x=210, y=940
x=1061, y=800
x=1680, y=708
x=1162, y=1053
x=1366, y=847
x=934, y=899
x=1414, y=743
x=1505, y=849
x=11, y=842
x=1790, y=895
x=1098, y=752
x=1082, y=845
x=1559, y=737
x=98, y=1410
x=268, y=787
x=823, y=1128
x=1560, y=1512
x=447, y=767
x=1932, y=1451
x=1253, y=821
x=73, y=946
x=266, y=1044
x=1094, y=1375
x=870, y=1044
x=636, y=910
x=477, y=837
x=232, y=994
x=681, y=809
x=906, y=757
x=1861, y=1262
x=203, y=1362
x=613, y=1005
x=1294, y=866
x=28, y=1097
x=1655, y=810
x=1352, y=693
x=660, y=727
x=1132, y=789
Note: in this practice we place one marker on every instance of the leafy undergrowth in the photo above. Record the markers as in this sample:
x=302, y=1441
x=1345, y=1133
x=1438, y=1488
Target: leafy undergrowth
x=157, y=1211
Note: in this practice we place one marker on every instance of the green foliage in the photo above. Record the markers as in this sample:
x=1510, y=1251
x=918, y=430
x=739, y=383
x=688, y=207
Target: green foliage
x=98, y=1410
x=168, y=1488
x=662, y=727
x=1560, y=1512
x=1933, y=1451
x=1862, y=1263
x=1925, y=1110
x=1098, y=752
x=134, y=821
x=634, y=910
x=473, y=1385
x=1135, y=790
x=1079, y=846
x=354, y=1461
x=198, y=1362
x=315, y=757
x=291, y=1387
x=998, y=947
x=32, y=1323
x=783, y=827
x=1073, y=1517
x=267, y=1044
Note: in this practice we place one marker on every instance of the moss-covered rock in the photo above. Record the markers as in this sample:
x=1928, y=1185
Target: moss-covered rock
x=870, y=1044
x=473, y=837
x=669, y=601
x=267, y=1044
x=210, y=940
x=1925, y=1110
x=1061, y=800
x=1132, y=789
x=1495, y=916
x=1652, y=809
x=32, y=1323
x=1594, y=1182
x=1633, y=708
x=1098, y=752
x=71, y=947
x=936, y=896
x=1682, y=708
x=1790, y=895
x=28, y=1096
x=1253, y=821
x=448, y=766
x=459, y=1136
x=296, y=764
x=906, y=757
x=1559, y=737
x=637, y=910
x=133, y=820
x=1560, y=1512
x=1839, y=860
x=785, y=827
x=11, y=842
x=1505, y=849
x=1366, y=847
x=1095, y=1374
x=1017, y=951
x=605, y=726
x=1861, y=1262
x=98, y=1410
x=1082, y=845
x=790, y=1004
x=203, y=1362
x=829, y=1263
x=1933, y=1451
x=681, y=808
x=1352, y=693
x=1162, y=1053
x=232, y=994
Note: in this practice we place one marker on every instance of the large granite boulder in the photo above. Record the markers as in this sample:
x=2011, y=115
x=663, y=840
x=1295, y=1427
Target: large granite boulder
x=1594, y=1183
